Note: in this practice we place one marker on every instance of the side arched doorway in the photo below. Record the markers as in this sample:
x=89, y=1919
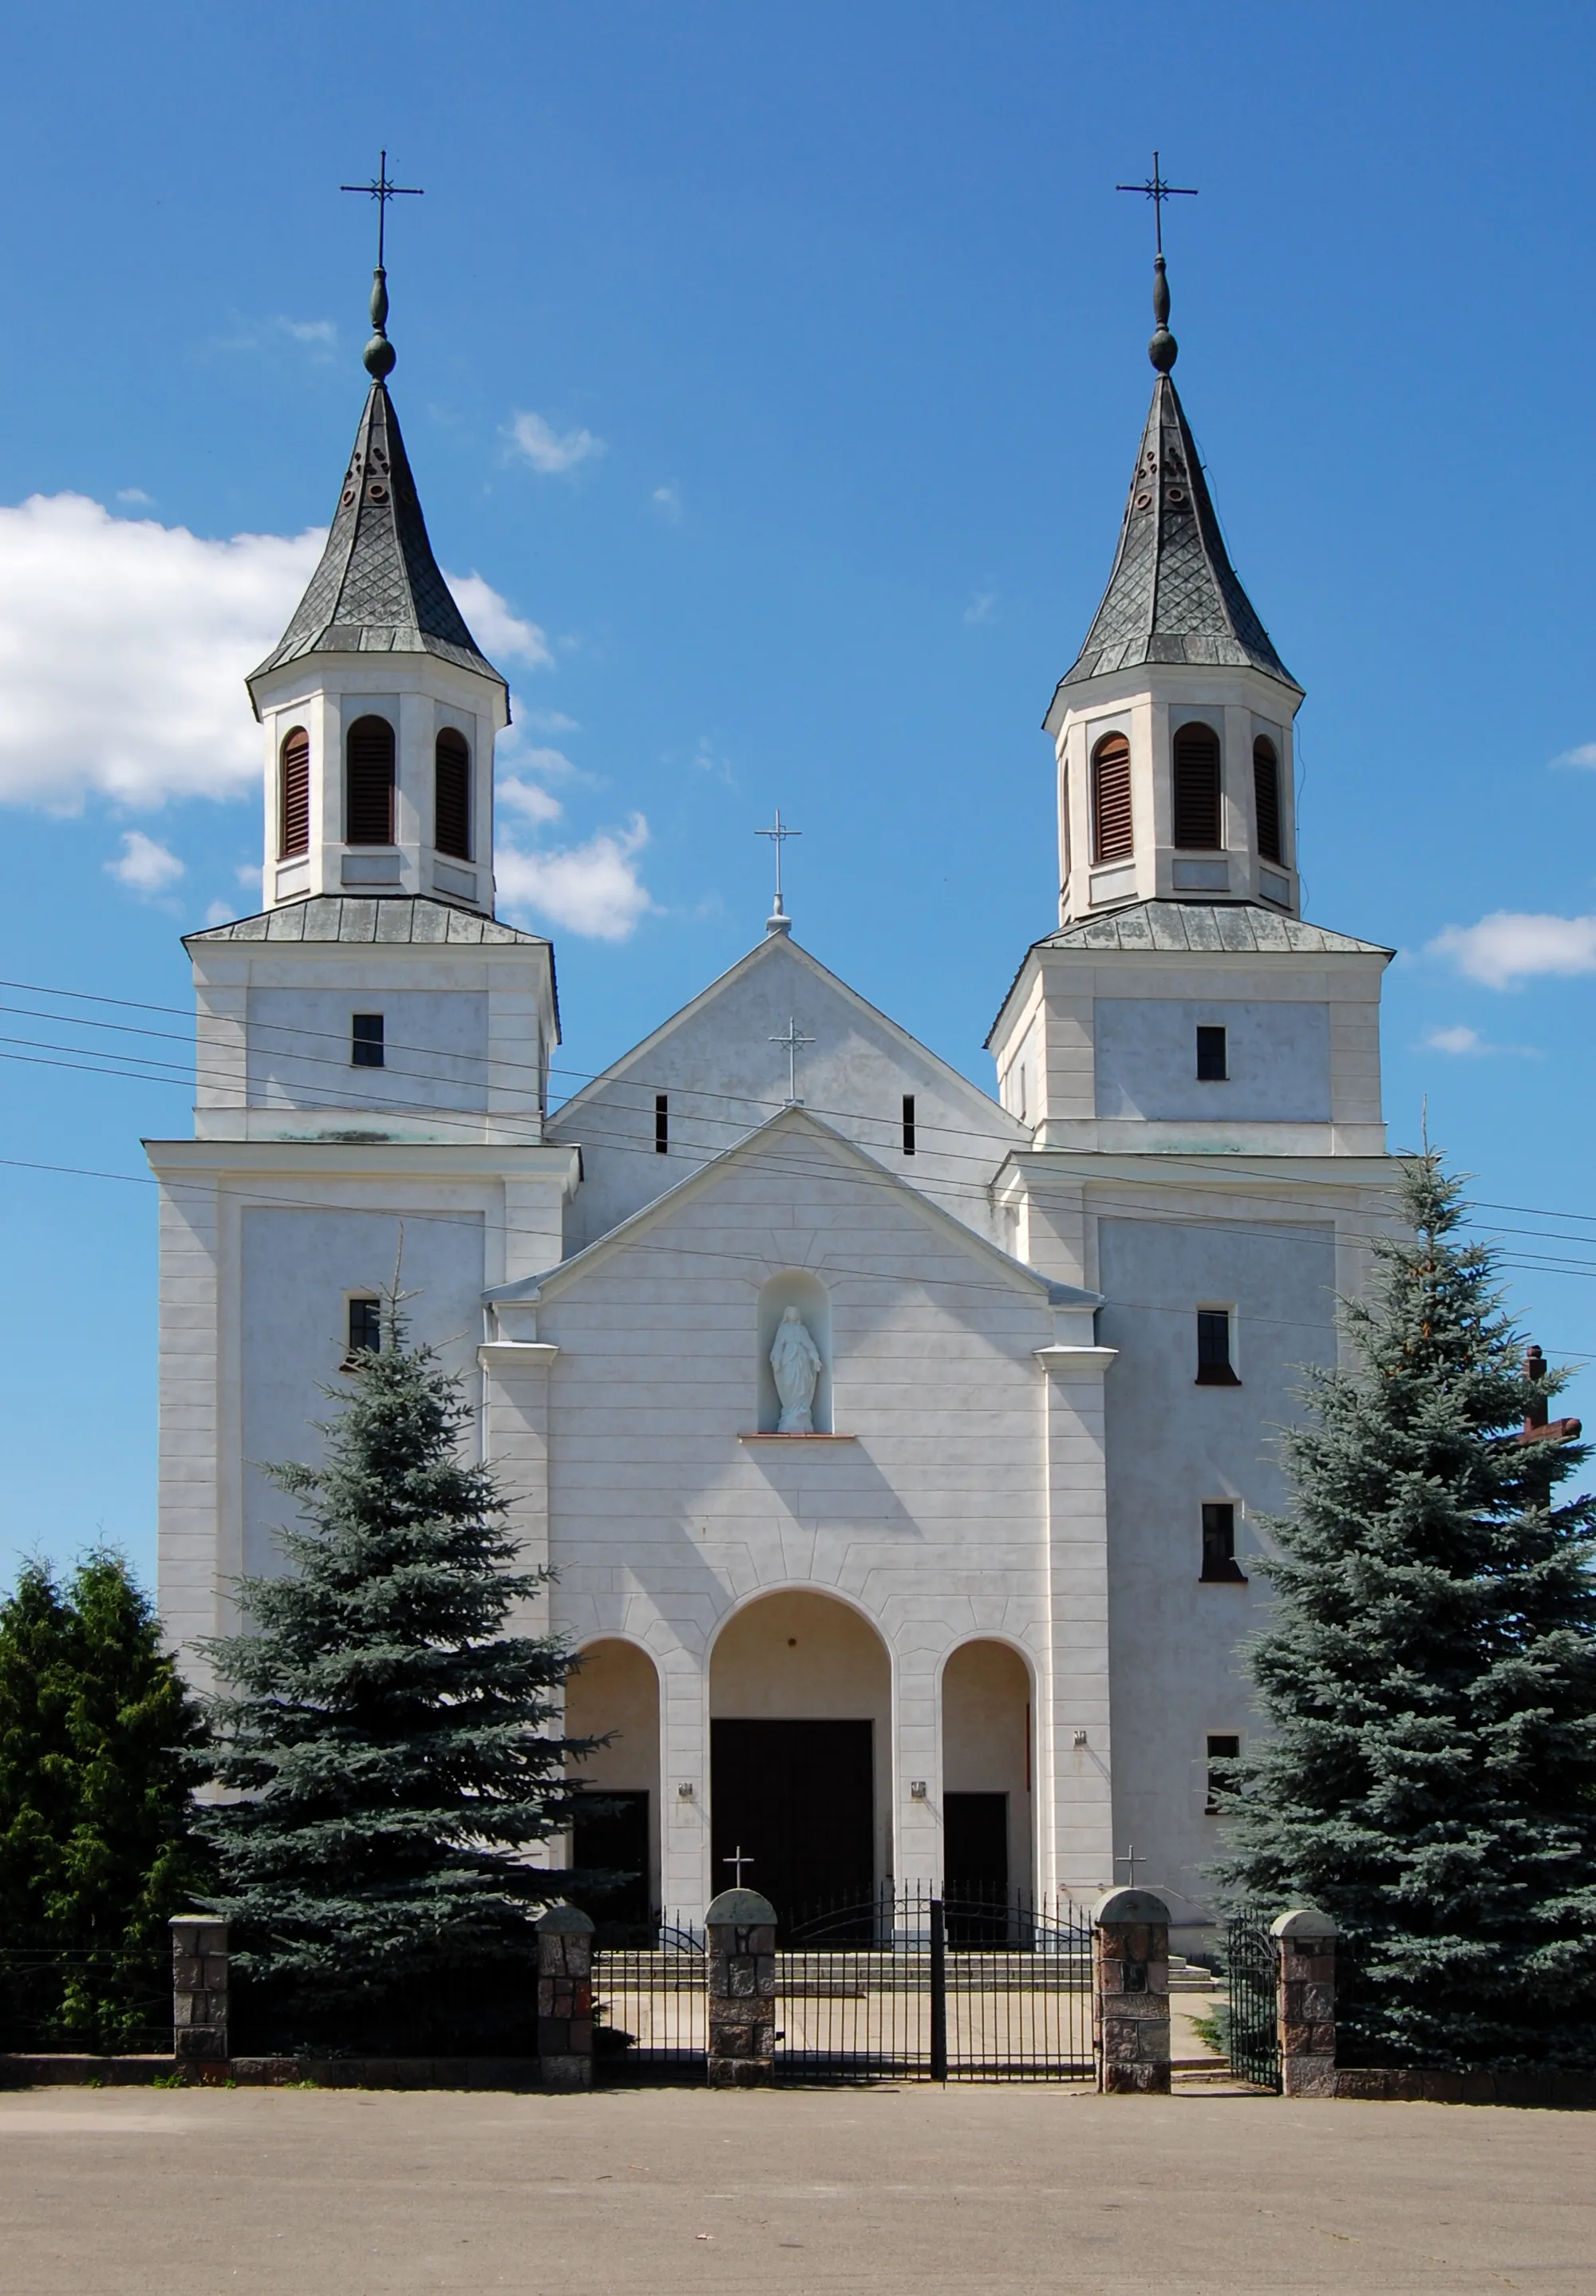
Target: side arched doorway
x=987, y=1790
x=615, y=1693
x=800, y=1736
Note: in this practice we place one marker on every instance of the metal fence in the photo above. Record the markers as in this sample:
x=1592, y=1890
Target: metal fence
x=651, y=2008
x=96, y=2003
x=1249, y=1960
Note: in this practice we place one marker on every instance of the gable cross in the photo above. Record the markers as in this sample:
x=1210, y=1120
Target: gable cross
x=1128, y=1859
x=778, y=837
x=793, y=1041
x=736, y=1861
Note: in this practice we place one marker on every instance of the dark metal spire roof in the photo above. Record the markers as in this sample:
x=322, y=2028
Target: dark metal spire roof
x=1174, y=595
x=378, y=588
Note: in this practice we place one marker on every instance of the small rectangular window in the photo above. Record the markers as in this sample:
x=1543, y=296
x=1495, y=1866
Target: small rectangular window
x=662, y=1124
x=1224, y=1747
x=365, y=1045
x=1214, y=1365
x=1212, y=1067
x=908, y=1124
x=1219, y=1543
x=366, y=1324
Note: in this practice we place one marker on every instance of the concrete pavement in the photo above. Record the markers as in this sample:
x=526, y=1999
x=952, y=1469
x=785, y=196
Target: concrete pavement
x=290, y=2193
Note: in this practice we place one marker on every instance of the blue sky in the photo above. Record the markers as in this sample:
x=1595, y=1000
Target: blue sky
x=777, y=374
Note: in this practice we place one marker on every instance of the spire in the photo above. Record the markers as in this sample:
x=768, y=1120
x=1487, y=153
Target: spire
x=1174, y=595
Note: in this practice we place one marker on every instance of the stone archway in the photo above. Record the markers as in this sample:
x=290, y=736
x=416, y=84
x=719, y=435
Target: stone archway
x=986, y=1772
x=800, y=1734
x=616, y=1690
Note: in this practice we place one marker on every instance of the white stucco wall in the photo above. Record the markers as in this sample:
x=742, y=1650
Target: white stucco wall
x=436, y=1047
x=1279, y=1056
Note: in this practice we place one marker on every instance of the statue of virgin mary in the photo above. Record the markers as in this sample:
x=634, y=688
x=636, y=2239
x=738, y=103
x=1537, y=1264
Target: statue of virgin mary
x=796, y=1362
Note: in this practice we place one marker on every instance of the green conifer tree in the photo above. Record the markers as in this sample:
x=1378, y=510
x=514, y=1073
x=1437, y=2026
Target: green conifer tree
x=99, y=1748
x=1427, y=1677
x=392, y=1751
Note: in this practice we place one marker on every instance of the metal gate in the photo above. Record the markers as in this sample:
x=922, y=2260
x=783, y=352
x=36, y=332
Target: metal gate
x=651, y=2013
x=1249, y=1956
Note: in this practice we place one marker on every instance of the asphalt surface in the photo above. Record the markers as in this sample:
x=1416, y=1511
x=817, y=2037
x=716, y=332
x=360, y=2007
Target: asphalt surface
x=817, y=2192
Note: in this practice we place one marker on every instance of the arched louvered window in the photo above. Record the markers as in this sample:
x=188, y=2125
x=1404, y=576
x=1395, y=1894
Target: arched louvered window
x=1111, y=832
x=293, y=802
x=452, y=796
x=370, y=806
x=1266, y=789
x=1197, y=789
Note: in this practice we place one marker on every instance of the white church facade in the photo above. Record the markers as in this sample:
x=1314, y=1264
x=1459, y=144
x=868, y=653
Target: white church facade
x=952, y=1591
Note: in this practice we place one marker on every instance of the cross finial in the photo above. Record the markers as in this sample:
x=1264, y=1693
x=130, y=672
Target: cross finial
x=1128, y=1860
x=777, y=920
x=379, y=353
x=736, y=1861
x=793, y=1041
x=1162, y=349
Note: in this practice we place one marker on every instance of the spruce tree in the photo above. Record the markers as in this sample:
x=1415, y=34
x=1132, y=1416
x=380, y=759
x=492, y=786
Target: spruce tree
x=391, y=1752
x=1427, y=1677
x=99, y=1748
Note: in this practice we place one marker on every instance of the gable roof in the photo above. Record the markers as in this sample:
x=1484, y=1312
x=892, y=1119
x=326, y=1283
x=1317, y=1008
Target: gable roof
x=1174, y=595
x=790, y=1120
x=378, y=588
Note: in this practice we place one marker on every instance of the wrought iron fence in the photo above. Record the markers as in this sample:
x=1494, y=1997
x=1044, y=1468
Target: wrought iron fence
x=1249, y=1960
x=104, y=2003
x=650, y=2007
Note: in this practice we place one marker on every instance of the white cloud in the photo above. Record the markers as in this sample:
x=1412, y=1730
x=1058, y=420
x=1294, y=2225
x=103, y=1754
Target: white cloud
x=221, y=912
x=667, y=501
x=1455, y=1040
x=146, y=866
x=500, y=634
x=321, y=333
x=592, y=889
x=550, y=721
x=551, y=451
x=1584, y=754
x=124, y=645
x=982, y=608
x=133, y=495
x=1511, y=946
x=527, y=798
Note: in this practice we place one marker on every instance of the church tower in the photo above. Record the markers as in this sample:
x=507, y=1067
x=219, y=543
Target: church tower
x=379, y=709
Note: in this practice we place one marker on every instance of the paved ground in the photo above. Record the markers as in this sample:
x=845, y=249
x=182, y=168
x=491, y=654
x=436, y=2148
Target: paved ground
x=286, y=2193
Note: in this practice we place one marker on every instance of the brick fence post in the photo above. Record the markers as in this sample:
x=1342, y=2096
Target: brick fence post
x=1130, y=1993
x=1305, y=1993
x=565, y=1998
x=199, y=1988
x=741, y=1973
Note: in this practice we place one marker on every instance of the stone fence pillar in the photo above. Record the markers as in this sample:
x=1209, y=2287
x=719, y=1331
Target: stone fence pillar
x=1305, y=1983
x=1130, y=1993
x=199, y=1988
x=564, y=1998
x=741, y=1927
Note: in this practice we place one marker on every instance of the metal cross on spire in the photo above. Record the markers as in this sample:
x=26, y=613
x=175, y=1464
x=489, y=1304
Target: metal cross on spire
x=793, y=1042
x=382, y=191
x=777, y=920
x=736, y=1861
x=1158, y=191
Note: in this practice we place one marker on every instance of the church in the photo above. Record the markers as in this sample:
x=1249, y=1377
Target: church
x=897, y=1449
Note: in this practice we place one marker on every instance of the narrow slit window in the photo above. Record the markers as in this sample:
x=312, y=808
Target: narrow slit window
x=1196, y=754
x=1219, y=1543
x=1213, y=1065
x=1214, y=1365
x=1224, y=1748
x=295, y=808
x=452, y=796
x=1112, y=836
x=662, y=1124
x=366, y=1049
x=369, y=801
x=1267, y=793
x=365, y=1325
x=908, y=1124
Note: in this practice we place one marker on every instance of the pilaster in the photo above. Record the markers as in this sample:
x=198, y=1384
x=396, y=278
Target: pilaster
x=1074, y=1783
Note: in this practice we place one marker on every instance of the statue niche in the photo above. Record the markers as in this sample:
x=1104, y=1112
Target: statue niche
x=795, y=1348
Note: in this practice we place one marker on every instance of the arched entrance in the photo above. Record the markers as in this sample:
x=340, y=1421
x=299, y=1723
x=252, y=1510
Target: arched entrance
x=616, y=1689
x=800, y=1707
x=986, y=1773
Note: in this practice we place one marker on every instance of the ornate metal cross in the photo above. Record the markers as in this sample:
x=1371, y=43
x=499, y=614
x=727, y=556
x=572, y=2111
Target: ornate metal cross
x=792, y=1040
x=382, y=191
x=778, y=836
x=736, y=1861
x=1158, y=191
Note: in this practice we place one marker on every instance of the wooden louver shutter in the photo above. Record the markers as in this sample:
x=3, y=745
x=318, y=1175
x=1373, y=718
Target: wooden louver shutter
x=371, y=789
x=452, y=796
x=295, y=817
x=1266, y=787
x=1111, y=832
x=1197, y=789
